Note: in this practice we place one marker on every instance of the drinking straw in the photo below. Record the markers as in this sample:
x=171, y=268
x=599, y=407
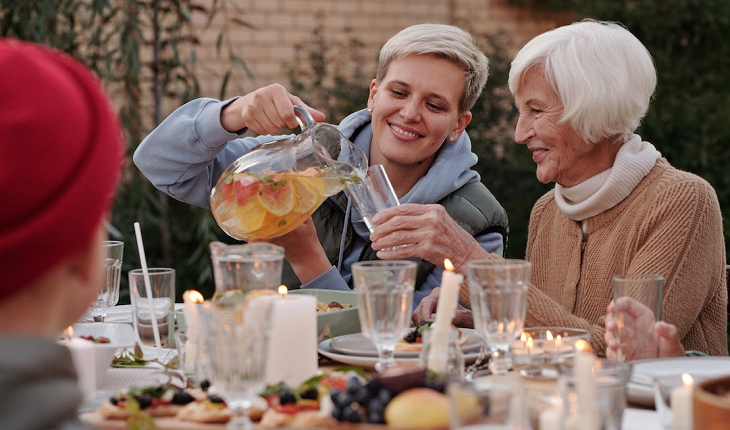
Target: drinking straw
x=146, y=273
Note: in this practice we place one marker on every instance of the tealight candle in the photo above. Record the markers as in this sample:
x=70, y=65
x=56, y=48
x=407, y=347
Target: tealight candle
x=292, y=355
x=82, y=354
x=681, y=403
x=526, y=346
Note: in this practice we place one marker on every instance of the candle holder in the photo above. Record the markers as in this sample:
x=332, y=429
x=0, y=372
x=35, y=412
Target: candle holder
x=540, y=350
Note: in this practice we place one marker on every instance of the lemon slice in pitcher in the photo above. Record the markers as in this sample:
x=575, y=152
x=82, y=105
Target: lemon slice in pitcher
x=276, y=194
x=244, y=219
x=307, y=196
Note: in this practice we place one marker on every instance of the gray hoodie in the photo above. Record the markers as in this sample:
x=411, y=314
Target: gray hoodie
x=186, y=154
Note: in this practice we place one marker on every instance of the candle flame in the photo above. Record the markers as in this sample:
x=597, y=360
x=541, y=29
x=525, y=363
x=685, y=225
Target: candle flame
x=196, y=297
x=448, y=266
x=549, y=335
x=687, y=379
x=528, y=345
x=582, y=345
x=523, y=336
x=558, y=341
x=68, y=333
x=283, y=290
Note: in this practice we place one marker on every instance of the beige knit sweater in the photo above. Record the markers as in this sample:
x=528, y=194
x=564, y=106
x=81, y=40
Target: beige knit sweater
x=670, y=224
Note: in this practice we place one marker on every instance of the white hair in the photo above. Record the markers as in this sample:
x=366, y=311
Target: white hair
x=441, y=41
x=603, y=75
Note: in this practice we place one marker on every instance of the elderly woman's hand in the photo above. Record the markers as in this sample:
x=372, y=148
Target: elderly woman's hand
x=426, y=311
x=639, y=334
x=265, y=111
x=429, y=233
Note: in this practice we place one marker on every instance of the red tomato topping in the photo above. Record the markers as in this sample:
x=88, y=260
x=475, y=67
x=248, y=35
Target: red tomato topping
x=334, y=382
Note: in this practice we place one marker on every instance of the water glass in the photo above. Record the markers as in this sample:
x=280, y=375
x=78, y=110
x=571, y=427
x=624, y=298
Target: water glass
x=610, y=379
x=384, y=291
x=478, y=405
x=638, y=306
x=251, y=266
x=160, y=306
x=498, y=291
x=237, y=345
x=373, y=194
x=109, y=293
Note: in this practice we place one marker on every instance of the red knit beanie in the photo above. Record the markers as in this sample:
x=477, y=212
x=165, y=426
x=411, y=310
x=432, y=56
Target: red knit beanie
x=60, y=158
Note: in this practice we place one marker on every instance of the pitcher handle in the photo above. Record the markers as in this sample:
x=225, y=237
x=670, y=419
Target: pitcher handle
x=302, y=114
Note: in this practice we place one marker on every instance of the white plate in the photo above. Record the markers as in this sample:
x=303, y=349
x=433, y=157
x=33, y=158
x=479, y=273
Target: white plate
x=369, y=362
x=120, y=313
x=640, y=389
x=358, y=344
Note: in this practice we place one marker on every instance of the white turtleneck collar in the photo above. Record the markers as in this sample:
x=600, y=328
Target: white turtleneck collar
x=607, y=189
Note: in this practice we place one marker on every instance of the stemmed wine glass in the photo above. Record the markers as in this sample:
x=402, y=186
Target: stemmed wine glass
x=384, y=291
x=237, y=340
x=108, y=295
x=498, y=291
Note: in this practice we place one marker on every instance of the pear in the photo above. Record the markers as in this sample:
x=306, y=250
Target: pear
x=418, y=408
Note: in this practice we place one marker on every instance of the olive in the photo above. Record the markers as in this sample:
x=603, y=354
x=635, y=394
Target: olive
x=144, y=400
x=311, y=394
x=182, y=398
x=214, y=399
x=204, y=385
x=113, y=401
x=287, y=397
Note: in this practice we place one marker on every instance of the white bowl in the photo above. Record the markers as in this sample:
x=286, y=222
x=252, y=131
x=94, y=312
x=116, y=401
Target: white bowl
x=120, y=335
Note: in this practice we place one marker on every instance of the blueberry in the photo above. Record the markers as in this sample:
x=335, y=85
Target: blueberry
x=353, y=385
x=204, y=385
x=286, y=397
x=144, y=400
x=351, y=415
x=311, y=394
x=182, y=398
x=214, y=399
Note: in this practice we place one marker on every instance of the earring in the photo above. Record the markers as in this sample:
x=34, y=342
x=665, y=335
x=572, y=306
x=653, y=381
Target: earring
x=370, y=109
x=451, y=138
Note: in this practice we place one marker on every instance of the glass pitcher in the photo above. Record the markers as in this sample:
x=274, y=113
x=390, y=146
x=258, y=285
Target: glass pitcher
x=275, y=187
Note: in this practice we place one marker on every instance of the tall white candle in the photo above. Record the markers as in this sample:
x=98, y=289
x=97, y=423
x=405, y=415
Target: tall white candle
x=445, y=309
x=585, y=386
x=549, y=419
x=82, y=354
x=292, y=356
x=191, y=300
x=681, y=403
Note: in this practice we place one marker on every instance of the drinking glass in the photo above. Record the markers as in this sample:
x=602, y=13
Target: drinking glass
x=479, y=405
x=384, y=291
x=246, y=267
x=498, y=291
x=159, y=306
x=373, y=194
x=237, y=345
x=638, y=306
x=108, y=295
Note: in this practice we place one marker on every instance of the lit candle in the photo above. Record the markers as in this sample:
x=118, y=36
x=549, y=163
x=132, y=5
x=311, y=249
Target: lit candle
x=445, y=309
x=526, y=346
x=82, y=354
x=191, y=299
x=292, y=355
x=585, y=385
x=681, y=403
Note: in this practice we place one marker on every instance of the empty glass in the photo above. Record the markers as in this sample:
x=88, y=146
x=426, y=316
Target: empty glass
x=373, y=194
x=638, y=306
x=498, y=291
x=384, y=291
x=237, y=343
x=479, y=405
x=109, y=293
x=251, y=266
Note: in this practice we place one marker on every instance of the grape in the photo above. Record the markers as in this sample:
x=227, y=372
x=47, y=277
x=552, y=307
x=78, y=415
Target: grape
x=351, y=415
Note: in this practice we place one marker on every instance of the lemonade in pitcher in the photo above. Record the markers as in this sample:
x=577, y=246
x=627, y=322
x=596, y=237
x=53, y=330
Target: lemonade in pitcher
x=259, y=206
x=275, y=187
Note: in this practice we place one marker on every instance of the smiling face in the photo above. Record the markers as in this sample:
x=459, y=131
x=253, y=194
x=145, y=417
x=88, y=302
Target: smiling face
x=415, y=109
x=561, y=155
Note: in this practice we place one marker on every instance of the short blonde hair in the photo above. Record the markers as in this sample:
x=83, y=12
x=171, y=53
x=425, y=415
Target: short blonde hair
x=603, y=75
x=441, y=41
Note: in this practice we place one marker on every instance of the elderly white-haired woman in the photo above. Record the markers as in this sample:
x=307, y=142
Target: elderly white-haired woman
x=618, y=207
x=428, y=77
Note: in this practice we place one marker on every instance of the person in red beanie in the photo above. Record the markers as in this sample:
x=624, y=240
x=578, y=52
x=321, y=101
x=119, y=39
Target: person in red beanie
x=60, y=146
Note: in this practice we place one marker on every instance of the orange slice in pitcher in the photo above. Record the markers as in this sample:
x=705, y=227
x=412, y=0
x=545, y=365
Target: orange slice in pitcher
x=307, y=196
x=276, y=194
